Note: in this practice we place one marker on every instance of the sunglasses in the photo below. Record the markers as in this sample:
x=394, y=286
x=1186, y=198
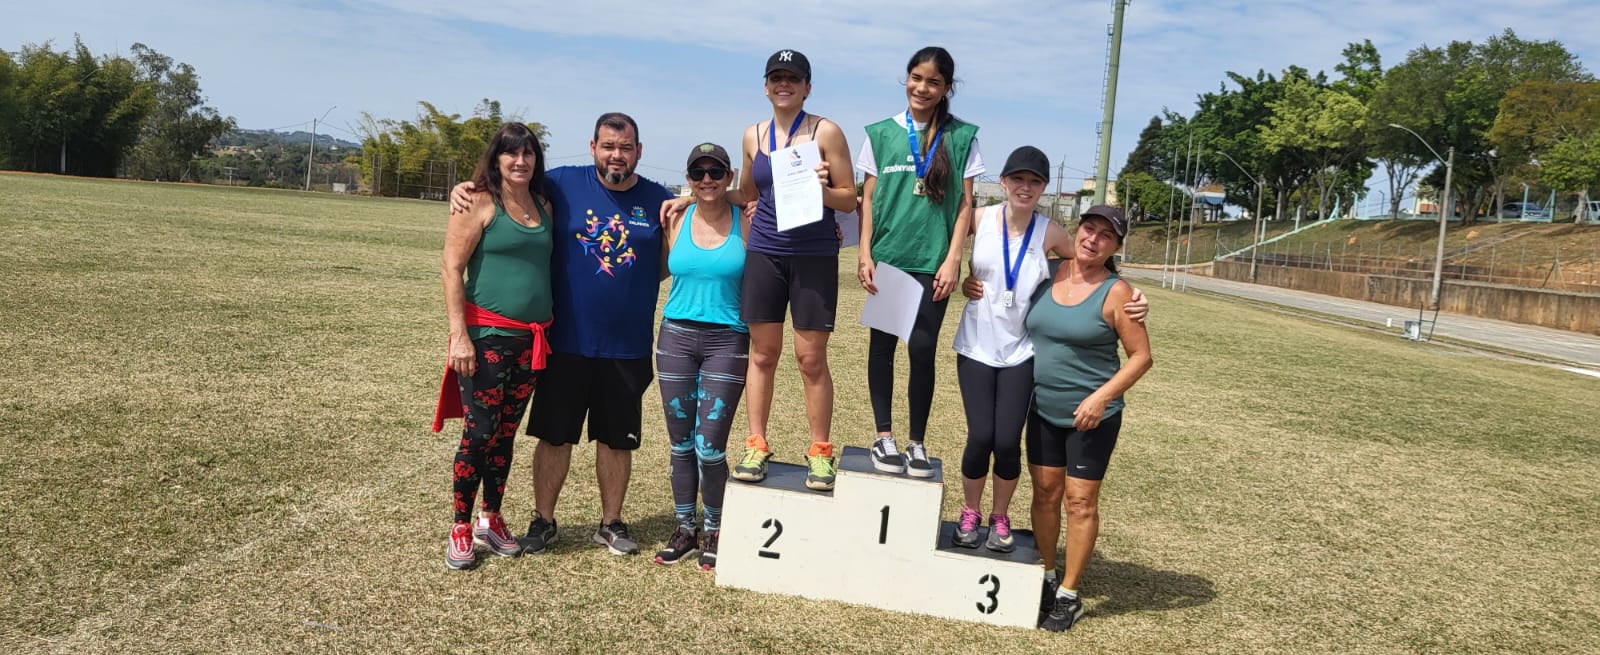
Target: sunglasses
x=716, y=173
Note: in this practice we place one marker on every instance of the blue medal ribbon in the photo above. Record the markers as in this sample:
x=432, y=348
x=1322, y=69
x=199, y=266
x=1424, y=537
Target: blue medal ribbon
x=772, y=132
x=1022, y=253
x=922, y=163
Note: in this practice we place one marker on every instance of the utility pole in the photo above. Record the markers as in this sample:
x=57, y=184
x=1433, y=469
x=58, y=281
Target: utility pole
x=1103, y=167
x=313, y=148
x=1061, y=174
x=1445, y=210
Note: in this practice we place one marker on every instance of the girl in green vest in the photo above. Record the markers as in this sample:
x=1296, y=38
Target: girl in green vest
x=916, y=206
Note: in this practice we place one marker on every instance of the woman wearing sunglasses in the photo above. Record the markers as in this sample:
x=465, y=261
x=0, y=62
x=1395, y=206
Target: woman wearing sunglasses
x=702, y=351
x=915, y=208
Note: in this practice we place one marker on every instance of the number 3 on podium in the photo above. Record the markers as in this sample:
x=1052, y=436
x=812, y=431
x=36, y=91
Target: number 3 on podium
x=994, y=590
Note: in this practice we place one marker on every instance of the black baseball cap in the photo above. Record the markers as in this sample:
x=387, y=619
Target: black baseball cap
x=1112, y=215
x=1029, y=159
x=789, y=60
x=709, y=150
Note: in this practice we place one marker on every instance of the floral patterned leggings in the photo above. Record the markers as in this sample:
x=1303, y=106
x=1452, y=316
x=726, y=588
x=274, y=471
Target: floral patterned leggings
x=493, y=401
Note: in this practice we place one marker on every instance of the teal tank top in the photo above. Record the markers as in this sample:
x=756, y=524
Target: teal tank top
x=1074, y=352
x=509, y=272
x=706, y=283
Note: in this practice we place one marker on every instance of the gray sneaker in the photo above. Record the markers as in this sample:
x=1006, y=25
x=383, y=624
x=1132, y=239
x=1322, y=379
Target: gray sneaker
x=614, y=535
x=917, y=464
x=1000, y=539
x=541, y=534
x=886, y=456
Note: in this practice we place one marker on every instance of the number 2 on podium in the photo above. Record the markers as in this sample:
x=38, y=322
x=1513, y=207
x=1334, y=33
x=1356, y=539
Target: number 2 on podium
x=777, y=529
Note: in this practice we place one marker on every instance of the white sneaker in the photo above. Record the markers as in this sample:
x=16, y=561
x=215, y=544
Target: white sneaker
x=917, y=464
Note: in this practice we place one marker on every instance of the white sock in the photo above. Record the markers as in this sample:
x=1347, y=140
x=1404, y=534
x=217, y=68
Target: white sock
x=1069, y=594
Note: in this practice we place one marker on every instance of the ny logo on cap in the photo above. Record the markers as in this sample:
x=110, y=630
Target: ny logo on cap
x=706, y=147
x=786, y=55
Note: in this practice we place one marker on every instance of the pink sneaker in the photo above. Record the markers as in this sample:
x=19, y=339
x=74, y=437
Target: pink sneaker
x=1000, y=540
x=966, y=535
x=459, y=554
x=491, y=533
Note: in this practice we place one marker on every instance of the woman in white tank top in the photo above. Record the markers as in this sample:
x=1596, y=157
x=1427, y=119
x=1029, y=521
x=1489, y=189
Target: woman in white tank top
x=994, y=363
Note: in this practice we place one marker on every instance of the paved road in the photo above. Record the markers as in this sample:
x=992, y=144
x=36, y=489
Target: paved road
x=1574, y=348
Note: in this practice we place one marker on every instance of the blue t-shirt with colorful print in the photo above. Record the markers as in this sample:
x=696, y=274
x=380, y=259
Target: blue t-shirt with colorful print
x=607, y=264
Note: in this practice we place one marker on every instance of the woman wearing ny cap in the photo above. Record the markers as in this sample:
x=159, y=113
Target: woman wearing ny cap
x=794, y=270
x=995, y=357
x=702, y=351
x=915, y=212
x=1076, y=322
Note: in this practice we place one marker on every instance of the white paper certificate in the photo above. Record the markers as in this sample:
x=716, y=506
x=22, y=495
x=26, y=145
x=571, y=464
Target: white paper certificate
x=796, y=192
x=893, y=308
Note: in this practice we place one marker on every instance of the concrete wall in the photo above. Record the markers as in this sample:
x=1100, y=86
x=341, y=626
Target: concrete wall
x=1565, y=310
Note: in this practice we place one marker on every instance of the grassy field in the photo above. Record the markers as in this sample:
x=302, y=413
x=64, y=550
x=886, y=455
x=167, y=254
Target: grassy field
x=215, y=426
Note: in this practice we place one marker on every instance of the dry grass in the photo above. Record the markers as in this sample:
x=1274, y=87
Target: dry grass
x=216, y=436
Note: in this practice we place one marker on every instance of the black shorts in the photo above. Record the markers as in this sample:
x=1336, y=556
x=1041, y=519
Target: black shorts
x=1085, y=454
x=610, y=392
x=806, y=285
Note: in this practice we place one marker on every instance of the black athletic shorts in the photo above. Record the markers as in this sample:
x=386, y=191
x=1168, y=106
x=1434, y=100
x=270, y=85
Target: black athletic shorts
x=807, y=285
x=1085, y=454
x=609, y=392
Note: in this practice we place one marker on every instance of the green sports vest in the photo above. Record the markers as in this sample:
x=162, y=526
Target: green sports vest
x=909, y=231
x=509, y=272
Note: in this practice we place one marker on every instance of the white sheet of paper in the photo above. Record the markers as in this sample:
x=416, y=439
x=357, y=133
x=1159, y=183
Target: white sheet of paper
x=849, y=228
x=893, y=308
x=796, y=192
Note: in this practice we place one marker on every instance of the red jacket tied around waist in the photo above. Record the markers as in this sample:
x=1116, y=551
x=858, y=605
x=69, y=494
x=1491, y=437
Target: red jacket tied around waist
x=450, y=391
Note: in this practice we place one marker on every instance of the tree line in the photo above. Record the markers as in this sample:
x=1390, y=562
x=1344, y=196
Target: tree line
x=1515, y=111
x=424, y=157
x=70, y=111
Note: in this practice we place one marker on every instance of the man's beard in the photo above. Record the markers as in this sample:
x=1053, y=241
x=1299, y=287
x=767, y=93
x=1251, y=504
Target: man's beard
x=617, y=177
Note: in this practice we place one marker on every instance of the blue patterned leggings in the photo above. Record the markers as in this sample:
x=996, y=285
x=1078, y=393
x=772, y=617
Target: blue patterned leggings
x=700, y=368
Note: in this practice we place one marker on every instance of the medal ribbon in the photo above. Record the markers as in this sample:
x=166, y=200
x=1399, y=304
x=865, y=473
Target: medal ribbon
x=1005, y=240
x=772, y=134
x=922, y=163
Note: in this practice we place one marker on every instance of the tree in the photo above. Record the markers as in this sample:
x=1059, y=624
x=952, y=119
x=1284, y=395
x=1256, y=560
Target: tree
x=1574, y=163
x=180, y=126
x=1323, y=126
x=1149, y=155
x=1145, y=196
x=404, y=149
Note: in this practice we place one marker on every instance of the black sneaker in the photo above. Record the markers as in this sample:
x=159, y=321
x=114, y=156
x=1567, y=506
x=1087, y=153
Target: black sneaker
x=708, y=550
x=681, y=545
x=614, y=535
x=917, y=464
x=1064, y=612
x=541, y=534
x=886, y=456
x=1047, y=599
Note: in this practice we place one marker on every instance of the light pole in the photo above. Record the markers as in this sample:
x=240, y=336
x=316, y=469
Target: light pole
x=1444, y=209
x=1261, y=191
x=313, y=148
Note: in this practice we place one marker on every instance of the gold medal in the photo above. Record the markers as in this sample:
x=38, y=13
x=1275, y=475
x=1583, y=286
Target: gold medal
x=920, y=189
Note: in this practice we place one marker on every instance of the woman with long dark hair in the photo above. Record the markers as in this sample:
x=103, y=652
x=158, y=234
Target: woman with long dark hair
x=498, y=302
x=915, y=216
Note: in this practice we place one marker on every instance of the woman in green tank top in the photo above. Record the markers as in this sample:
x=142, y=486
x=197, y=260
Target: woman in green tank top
x=1076, y=322
x=497, y=300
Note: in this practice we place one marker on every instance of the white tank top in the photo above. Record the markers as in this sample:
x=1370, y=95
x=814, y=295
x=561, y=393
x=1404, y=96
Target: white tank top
x=991, y=332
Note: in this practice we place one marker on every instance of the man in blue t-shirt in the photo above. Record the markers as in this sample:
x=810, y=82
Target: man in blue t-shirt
x=605, y=275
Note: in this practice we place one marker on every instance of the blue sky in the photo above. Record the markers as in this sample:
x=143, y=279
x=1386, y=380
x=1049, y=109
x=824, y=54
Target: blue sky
x=1031, y=73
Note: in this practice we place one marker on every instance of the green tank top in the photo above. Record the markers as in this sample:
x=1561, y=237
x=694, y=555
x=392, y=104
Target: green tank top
x=509, y=272
x=908, y=231
x=1074, y=352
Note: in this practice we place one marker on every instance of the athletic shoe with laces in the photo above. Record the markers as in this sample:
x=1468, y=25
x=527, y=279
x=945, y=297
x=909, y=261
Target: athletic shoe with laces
x=917, y=464
x=708, y=550
x=1000, y=540
x=820, y=471
x=1064, y=612
x=460, y=554
x=1047, y=598
x=681, y=545
x=753, y=468
x=886, y=456
x=966, y=534
x=614, y=535
x=541, y=534
x=491, y=533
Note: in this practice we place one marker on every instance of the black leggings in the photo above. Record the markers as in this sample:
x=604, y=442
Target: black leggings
x=920, y=350
x=493, y=399
x=996, y=400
